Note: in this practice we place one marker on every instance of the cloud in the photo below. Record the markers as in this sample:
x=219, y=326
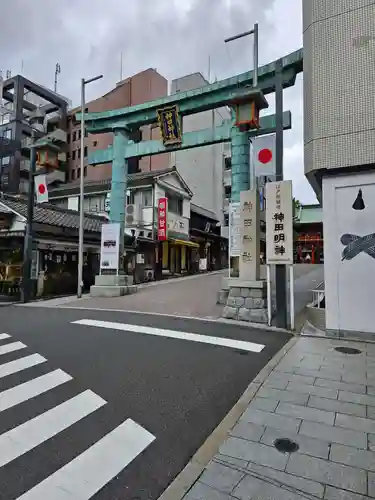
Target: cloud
x=175, y=36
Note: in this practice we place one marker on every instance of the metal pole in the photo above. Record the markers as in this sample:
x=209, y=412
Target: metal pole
x=269, y=295
x=81, y=194
x=281, y=275
x=28, y=241
x=255, y=55
x=292, y=308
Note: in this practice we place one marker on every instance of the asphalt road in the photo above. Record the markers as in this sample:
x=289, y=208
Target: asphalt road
x=112, y=395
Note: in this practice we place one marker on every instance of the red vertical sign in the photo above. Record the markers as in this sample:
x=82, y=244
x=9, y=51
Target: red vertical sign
x=162, y=219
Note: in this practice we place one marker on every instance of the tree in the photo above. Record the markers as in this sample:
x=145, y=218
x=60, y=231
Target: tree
x=296, y=206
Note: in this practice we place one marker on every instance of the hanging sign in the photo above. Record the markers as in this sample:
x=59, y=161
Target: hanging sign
x=170, y=125
x=163, y=219
x=279, y=222
x=110, y=246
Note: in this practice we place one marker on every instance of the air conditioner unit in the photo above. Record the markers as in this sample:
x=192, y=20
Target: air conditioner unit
x=130, y=217
x=149, y=275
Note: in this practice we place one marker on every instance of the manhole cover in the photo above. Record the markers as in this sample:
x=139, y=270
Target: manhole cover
x=348, y=350
x=284, y=445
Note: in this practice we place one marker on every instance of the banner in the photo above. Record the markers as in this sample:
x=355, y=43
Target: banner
x=163, y=219
x=279, y=222
x=110, y=246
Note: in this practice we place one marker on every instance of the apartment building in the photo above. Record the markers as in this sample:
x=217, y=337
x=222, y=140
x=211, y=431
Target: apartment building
x=21, y=99
x=203, y=168
x=144, y=86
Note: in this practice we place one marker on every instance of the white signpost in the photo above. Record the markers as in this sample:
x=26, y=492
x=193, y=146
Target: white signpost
x=110, y=247
x=279, y=235
x=234, y=231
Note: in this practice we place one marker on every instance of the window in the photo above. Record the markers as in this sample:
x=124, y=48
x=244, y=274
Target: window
x=86, y=133
x=175, y=204
x=94, y=143
x=130, y=197
x=5, y=119
x=78, y=173
x=147, y=198
x=85, y=152
x=226, y=220
x=6, y=160
x=79, y=134
x=73, y=175
x=85, y=171
x=228, y=163
x=74, y=136
x=228, y=192
x=73, y=155
x=68, y=138
x=68, y=155
x=8, y=133
x=78, y=153
x=86, y=110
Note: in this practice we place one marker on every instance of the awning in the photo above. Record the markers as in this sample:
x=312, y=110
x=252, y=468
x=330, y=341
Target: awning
x=184, y=243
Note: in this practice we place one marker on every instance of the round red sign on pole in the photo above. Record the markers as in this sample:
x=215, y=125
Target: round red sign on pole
x=265, y=155
x=41, y=188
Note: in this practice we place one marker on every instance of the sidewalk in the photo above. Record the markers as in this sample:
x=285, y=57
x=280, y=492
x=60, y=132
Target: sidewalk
x=318, y=400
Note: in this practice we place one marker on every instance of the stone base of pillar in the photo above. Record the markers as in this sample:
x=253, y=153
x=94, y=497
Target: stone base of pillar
x=247, y=301
x=222, y=296
x=111, y=285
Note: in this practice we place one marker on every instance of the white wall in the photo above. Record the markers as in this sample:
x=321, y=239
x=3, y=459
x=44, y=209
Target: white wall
x=201, y=168
x=349, y=284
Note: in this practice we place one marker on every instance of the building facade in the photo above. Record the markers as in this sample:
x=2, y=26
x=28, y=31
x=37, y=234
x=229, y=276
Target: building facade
x=21, y=99
x=145, y=86
x=202, y=168
x=339, y=147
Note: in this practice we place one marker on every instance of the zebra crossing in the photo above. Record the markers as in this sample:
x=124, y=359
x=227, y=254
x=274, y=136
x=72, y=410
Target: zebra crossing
x=88, y=472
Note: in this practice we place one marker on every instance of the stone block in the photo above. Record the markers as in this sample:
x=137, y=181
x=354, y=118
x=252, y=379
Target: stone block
x=239, y=301
x=231, y=302
x=235, y=292
x=112, y=280
x=249, y=303
x=334, y=434
x=222, y=297
x=230, y=312
x=258, y=293
x=108, y=291
x=268, y=419
x=259, y=303
x=337, y=406
x=220, y=477
x=245, y=292
x=244, y=314
x=259, y=316
x=362, y=459
x=306, y=413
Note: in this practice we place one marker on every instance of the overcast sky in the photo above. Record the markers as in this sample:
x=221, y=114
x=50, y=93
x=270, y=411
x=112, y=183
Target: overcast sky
x=174, y=36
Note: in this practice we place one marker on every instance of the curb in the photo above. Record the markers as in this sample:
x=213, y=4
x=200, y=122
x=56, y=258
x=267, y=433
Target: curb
x=191, y=473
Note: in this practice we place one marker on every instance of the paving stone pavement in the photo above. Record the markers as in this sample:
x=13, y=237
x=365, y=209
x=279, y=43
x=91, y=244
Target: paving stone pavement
x=319, y=398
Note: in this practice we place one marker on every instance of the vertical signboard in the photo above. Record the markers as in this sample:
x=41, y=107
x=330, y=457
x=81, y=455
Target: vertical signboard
x=163, y=219
x=249, y=259
x=110, y=247
x=279, y=222
x=234, y=230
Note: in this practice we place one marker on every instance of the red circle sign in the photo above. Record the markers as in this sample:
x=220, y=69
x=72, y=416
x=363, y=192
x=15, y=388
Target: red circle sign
x=41, y=188
x=265, y=155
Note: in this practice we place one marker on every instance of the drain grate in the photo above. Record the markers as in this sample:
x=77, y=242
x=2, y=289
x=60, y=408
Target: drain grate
x=285, y=445
x=348, y=350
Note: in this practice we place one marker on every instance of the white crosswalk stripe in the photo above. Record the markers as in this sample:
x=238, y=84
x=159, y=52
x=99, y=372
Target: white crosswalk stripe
x=87, y=473
x=174, y=334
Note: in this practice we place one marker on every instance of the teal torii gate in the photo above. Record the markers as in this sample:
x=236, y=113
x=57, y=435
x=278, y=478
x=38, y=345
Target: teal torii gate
x=123, y=122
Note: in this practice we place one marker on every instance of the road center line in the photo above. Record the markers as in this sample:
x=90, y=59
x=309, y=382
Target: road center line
x=174, y=334
x=89, y=472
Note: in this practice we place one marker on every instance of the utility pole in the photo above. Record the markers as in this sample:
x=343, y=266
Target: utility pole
x=37, y=122
x=281, y=276
x=82, y=186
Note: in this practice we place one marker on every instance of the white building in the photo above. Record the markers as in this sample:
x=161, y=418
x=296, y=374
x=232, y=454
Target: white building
x=339, y=116
x=203, y=168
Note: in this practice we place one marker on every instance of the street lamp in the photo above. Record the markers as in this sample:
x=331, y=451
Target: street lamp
x=81, y=185
x=254, y=32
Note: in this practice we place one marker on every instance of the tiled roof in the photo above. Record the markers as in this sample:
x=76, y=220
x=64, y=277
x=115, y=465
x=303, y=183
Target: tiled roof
x=54, y=216
x=309, y=214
